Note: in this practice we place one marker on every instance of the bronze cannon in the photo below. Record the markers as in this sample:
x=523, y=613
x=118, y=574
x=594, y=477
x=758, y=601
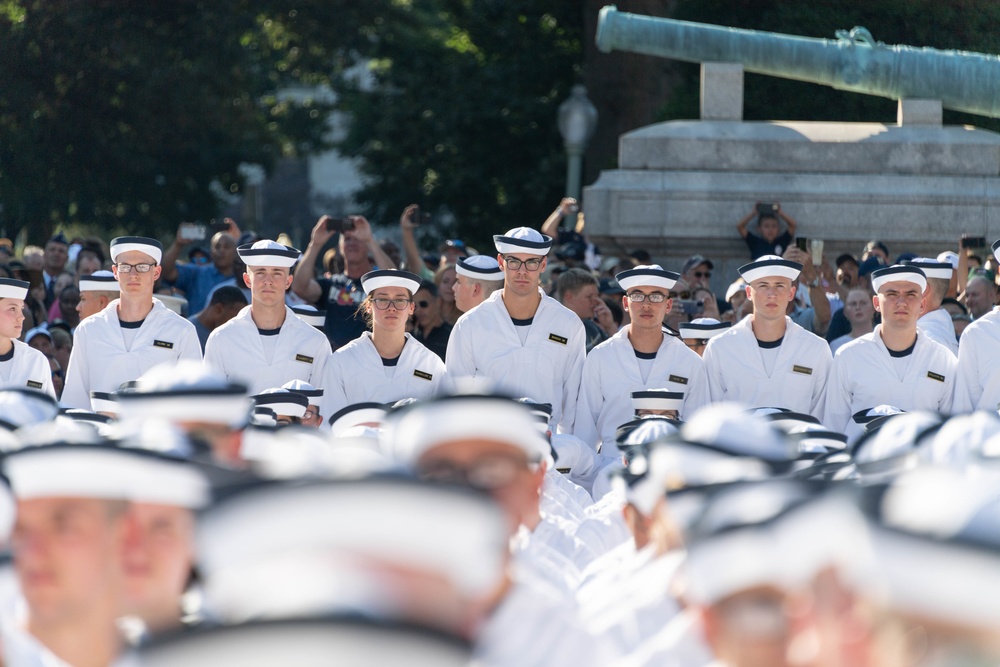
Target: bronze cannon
x=963, y=81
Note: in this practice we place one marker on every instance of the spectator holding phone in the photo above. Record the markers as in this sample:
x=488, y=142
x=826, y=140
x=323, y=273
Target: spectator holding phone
x=769, y=239
x=577, y=290
x=197, y=280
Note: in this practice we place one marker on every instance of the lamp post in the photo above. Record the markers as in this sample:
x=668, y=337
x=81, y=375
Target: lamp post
x=577, y=121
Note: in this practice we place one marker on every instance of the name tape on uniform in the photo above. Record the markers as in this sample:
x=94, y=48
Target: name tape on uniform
x=303, y=358
x=805, y=370
x=935, y=376
x=558, y=339
x=422, y=375
x=164, y=344
x=678, y=379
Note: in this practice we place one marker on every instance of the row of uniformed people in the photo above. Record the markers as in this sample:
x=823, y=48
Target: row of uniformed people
x=528, y=344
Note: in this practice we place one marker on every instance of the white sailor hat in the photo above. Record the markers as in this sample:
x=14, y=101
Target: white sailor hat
x=727, y=427
x=262, y=416
x=733, y=546
x=657, y=399
x=357, y=414
x=770, y=266
x=898, y=272
x=143, y=244
x=647, y=275
x=311, y=316
x=703, y=328
x=13, y=289
x=373, y=280
x=104, y=401
x=282, y=401
x=21, y=406
x=268, y=253
x=572, y=454
x=42, y=330
x=897, y=436
x=99, y=281
x=412, y=431
x=996, y=249
x=347, y=640
x=61, y=462
x=523, y=240
x=738, y=285
x=304, y=388
x=285, y=452
x=932, y=268
x=98, y=421
x=184, y=391
x=934, y=542
x=479, y=267
x=316, y=528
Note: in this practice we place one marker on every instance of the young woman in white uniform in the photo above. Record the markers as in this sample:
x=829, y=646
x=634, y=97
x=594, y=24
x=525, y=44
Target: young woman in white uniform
x=385, y=364
x=20, y=364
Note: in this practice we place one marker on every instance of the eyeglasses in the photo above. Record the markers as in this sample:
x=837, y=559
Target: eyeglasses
x=700, y=274
x=127, y=268
x=398, y=304
x=423, y=304
x=680, y=295
x=513, y=263
x=639, y=297
x=310, y=414
x=486, y=474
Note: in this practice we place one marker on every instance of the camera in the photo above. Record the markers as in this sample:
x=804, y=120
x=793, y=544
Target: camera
x=193, y=232
x=418, y=217
x=339, y=224
x=769, y=209
x=690, y=307
x=802, y=243
x=969, y=241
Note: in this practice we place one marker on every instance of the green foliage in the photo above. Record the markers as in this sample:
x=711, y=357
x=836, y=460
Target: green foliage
x=462, y=113
x=968, y=25
x=123, y=114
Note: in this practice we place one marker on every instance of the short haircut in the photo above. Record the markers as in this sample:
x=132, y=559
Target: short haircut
x=60, y=338
x=573, y=280
x=950, y=301
x=228, y=295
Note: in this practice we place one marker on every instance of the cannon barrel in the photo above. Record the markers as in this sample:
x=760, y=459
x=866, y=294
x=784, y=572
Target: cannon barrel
x=962, y=80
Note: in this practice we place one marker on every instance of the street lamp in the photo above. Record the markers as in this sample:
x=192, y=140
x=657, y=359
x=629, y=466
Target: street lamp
x=577, y=121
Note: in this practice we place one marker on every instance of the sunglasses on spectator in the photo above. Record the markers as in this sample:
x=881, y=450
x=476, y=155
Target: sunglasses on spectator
x=423, y=304
x=703, y=274
x=680, y=295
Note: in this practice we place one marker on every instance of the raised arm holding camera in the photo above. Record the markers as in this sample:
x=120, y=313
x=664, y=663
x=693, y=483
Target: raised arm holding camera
x=197, y=281
x=769, y=239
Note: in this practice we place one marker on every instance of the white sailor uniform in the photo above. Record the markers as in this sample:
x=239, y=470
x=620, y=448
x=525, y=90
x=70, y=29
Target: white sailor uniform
x=102, y=359
x=977, y=383
x=937, y=326
x=358, y=374
x=547, y=366
x=27, y=367
x=865, y=375
x=298, y=351
x=797, y=381
x=612, y=372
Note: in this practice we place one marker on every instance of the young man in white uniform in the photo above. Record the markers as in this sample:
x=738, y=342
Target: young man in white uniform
x=936, y=322
x=638, y=357
x=977, y=384
x=476, y=278
x=766, y=360
x=132, y=334
x=521, y=339
x=385, y=364
x=893, y=365
x=266, y=344
x=20, y=364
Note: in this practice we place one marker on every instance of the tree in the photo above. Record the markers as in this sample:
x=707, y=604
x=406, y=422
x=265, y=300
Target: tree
x=459, y=111
x=131, y=115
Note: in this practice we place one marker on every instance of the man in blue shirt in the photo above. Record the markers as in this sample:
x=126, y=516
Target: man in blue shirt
x=197, y=280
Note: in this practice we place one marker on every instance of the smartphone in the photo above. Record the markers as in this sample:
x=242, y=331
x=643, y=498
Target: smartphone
x=194, y=233
x=768, y=208
x=418, y=217
x=217, y=227
x=802, y=244
x=691, y=307
x=969, y=241
x=339, y=224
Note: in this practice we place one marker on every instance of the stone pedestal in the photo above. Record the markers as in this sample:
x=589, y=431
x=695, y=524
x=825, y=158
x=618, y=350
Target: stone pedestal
x=682, y=186
x=721, y=91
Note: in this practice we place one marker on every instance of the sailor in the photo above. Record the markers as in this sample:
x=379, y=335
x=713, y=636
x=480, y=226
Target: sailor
x=289, y=406
x=476, y=278
x=639, y=356
x=386, y=363
x=700, y=330
x=767, y=359
x=519, y=338
x=133, y=333
x=893, y=365
x=266, y=344
x=977, y=386
x=96, y=291
x=313, y=416
x=935, y=323
x=20, y=364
